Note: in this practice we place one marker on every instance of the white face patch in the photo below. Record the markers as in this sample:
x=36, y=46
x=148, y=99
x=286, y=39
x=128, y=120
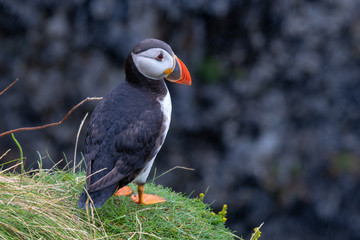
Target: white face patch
x=150, y=66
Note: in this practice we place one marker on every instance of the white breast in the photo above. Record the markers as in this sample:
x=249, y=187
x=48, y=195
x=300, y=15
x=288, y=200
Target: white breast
x=166, y=108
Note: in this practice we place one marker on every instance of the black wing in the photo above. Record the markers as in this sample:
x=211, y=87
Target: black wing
x=121, y=138
x=132, y=148
x=123, y=134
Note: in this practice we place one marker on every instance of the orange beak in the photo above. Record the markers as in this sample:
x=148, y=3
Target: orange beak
x=179, y=73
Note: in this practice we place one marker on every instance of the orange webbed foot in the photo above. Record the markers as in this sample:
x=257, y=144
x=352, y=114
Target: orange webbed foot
x=147, y=199
x=124, y=191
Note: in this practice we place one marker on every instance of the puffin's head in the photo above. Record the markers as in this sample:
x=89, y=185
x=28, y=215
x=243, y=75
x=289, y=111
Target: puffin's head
x=155, y=60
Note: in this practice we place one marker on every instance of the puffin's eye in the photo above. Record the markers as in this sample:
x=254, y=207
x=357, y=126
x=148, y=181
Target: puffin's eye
x=160, y=57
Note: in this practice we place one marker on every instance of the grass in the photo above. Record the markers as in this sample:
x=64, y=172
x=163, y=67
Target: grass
x=43, y=205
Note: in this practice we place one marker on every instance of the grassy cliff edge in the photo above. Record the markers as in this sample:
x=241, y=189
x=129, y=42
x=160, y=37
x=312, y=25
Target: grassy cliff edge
x=43, y=205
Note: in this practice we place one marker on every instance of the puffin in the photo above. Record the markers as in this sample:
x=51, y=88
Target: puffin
x=128, y=126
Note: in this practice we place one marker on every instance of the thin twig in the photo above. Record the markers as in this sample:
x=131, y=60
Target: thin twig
x=13, y=166
x=77, y=140
x=181, y=167
x=3, y=91
x=140, y=232
x=5, y=153
x=50, y=124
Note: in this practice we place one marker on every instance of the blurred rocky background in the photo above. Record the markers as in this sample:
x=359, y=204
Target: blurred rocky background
x=272, y=121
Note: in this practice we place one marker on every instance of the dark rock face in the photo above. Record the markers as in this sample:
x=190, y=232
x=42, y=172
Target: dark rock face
x=271, y=123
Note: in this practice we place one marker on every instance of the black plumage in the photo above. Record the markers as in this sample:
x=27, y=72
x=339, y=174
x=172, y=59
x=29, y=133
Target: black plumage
x=121, y=138
x=126, y=130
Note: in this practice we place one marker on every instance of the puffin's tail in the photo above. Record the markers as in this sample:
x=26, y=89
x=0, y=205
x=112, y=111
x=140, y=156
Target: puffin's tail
x=98, y=198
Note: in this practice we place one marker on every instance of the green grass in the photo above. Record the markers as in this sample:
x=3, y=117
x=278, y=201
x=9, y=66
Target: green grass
x=43, y=205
